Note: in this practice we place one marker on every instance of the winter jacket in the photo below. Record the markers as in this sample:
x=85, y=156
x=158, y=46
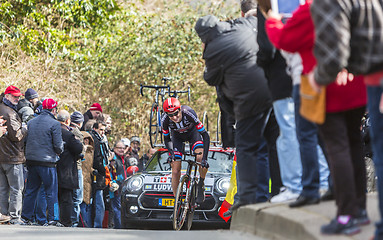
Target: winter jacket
x=231, y=54
x=12, y=144
x=87, y=115
x=87, y=168
x=76, y=131
x=25, y=110
x=338, y=97
x=100, y=161
x=348, y=35
x=295, y=35
x=44, y=141
x=67, y=173
x=273, y=64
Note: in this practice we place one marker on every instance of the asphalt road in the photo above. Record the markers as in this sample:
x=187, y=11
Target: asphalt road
x=16, y=232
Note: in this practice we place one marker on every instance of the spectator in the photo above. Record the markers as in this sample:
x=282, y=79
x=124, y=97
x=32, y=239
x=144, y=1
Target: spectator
x=11, y=156
x=108, y=122
x=26, y=106
x=280, y=85
x=87, y=169
x=76, y=122
x=67, y=171
x=293, y=38
x=126, y=142
x=43, y=145
x=118, y=174
x=146, y=157
x=89, y=125
x=348, y=35
x=100, y=161
x=133, y=157
x=230, y=58
x=94, y=111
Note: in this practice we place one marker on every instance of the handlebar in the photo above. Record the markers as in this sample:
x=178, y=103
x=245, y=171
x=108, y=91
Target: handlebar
x=157, y=87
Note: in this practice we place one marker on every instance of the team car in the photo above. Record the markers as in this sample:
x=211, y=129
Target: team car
x=147, y=197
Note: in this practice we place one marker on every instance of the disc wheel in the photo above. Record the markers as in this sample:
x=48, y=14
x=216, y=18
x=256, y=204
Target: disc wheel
x=180, y=204
x=192, y=205
x=155, y=133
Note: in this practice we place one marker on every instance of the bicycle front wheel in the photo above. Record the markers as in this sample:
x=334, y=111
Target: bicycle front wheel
x=154, y=127
x=181, y=204
x=192, y=205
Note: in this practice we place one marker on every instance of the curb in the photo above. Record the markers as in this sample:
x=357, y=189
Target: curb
x=280, y=222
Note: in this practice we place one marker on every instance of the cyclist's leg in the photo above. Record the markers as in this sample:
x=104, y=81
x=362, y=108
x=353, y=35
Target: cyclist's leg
x=176, y=165
x=196, y=143
x=176, y=174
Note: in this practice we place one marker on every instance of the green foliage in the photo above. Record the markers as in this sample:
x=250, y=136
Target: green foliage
x=110, y=47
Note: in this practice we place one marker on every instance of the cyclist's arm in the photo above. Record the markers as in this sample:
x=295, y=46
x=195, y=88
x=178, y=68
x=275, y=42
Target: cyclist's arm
x=206, y=139
x=167, y=139
x=169, y=145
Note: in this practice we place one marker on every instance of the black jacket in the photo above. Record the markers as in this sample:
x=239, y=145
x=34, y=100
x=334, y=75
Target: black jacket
x=67, y=173
x=230, y=54
x=87, y=115
x=273, y=64
x=99, y=161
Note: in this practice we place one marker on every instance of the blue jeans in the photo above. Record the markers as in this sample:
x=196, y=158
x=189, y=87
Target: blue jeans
x=86, y=210
x=249, y=134
x=116, y=207
x=263, y=173
x=307, y=134
x=288, y=146
x=376, y=130
x=99, y=208
x=38, y=175
x=77, y=199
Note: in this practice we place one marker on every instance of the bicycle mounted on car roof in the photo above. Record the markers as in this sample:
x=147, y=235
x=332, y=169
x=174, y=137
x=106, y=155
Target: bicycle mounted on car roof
x=155, y=128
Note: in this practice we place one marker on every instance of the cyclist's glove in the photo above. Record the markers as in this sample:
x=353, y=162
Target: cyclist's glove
x=170, y=160
x=204, y=163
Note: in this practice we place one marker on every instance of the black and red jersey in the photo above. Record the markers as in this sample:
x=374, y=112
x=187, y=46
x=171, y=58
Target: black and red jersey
x=188, y=122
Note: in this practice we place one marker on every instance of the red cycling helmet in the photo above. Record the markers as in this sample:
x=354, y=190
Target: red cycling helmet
x=171, y=105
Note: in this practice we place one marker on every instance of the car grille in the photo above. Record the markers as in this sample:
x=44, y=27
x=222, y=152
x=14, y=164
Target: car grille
x=150, y=200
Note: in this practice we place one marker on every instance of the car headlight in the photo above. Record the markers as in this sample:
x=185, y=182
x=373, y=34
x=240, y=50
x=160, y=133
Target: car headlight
x=134, y=184
x=222, y=185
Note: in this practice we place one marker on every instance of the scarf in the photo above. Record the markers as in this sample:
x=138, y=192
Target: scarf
x=9, y=104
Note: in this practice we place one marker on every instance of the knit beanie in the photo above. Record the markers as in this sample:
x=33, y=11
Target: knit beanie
x=77, y=117
x=31, y=94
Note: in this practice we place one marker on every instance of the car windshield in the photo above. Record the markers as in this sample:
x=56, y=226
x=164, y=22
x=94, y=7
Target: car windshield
x=220, y=162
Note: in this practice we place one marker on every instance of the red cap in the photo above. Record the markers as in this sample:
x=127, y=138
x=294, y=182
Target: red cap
x=132, y=170
x=95, y=107
x=13, y=90
x=49, y=103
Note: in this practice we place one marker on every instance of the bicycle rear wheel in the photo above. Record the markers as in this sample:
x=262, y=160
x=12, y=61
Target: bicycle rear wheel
x=155, y=133
x=192, y=205
x=180, y=204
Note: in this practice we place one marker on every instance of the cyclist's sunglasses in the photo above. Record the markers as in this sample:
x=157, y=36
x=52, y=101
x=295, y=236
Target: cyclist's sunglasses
x=173, y=114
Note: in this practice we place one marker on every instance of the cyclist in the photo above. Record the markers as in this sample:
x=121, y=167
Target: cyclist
x=180, y=124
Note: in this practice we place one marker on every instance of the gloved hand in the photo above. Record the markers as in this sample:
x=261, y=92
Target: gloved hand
x=170, y=159
x=95, y=172
x=204, y=163
x=113, y=187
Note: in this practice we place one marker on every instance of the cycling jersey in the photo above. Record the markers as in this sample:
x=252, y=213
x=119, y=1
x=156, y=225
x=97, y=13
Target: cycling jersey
x=189, y=129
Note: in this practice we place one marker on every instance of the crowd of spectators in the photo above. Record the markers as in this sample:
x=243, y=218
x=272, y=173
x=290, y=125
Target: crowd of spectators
x=266, y=68
x=305, y=73
x=57, y=168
